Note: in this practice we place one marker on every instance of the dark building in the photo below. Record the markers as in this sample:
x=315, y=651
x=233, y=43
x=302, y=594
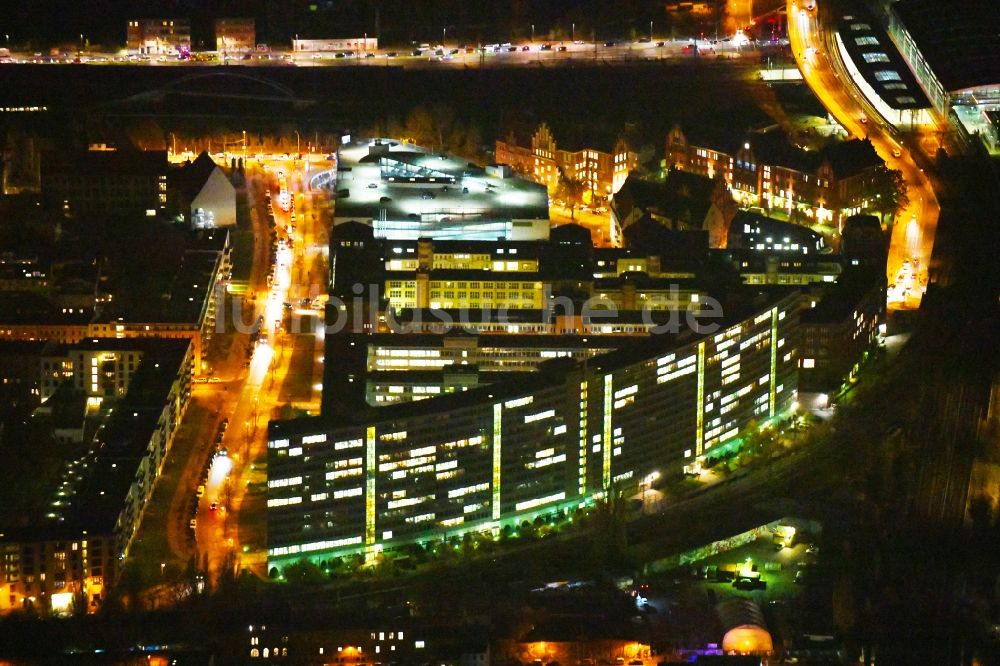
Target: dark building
x=684, y=202
x=106, y=182
x=863, y=242
x=841, y=329
x=72, y=554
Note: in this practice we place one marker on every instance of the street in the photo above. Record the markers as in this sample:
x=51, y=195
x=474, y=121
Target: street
x=915, y=225
x=535, y=52
x=248, y=383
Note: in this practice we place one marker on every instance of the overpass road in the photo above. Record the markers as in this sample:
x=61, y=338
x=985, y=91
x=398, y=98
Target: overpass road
x=814, y=46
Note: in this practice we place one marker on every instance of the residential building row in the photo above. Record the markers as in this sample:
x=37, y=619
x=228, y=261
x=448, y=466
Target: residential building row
x=601, y=170
x=172, y=36
x=763, y=168
x=127, y=398
x=190, y=312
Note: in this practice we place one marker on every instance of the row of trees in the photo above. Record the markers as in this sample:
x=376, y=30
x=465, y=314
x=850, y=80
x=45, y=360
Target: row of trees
x=436, y=127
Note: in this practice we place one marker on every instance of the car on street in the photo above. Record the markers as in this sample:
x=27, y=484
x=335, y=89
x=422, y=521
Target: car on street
x=214, y=506
x=562, y=48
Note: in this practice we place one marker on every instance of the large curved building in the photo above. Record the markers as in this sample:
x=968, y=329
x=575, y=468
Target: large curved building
x=368, y=480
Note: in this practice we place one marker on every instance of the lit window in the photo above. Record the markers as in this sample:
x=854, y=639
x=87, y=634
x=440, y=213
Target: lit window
x=887, y=75
x=875, y=56
x=808, y=363
x=866, y=41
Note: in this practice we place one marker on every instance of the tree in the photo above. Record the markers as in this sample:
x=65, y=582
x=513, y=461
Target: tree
x=890, y=192
x=610, y=535
x=304, y=572
x=571, y=191
x=443, y=119
x=420, y=126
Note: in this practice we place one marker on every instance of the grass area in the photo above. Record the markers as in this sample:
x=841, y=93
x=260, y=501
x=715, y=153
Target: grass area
x=297, y=386
x=242, y=254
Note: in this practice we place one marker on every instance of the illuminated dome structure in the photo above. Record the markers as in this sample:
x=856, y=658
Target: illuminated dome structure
x=747, y=639
x=744, y=626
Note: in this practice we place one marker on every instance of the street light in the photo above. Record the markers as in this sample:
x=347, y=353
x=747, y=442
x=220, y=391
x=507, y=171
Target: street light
x=532, y=32
x=444, y=34
x=572, y=32
x=298, y=142
x=244, y=147
x=650, y=30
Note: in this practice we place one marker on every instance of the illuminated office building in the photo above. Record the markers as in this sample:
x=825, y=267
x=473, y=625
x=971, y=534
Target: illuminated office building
x=367, y=479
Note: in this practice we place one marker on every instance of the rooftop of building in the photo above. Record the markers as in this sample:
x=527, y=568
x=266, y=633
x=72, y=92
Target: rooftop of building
x=124, y=439
x=90, y=163
x=841, y=299
x=26, y=309
x=959, y=38
x=550, y=374
x=876, y=57
x=571, y=137
x=153, y=346
x=381, y=179
x=748, y=228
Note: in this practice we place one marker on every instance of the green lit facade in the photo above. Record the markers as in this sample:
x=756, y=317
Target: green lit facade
x=503, y=454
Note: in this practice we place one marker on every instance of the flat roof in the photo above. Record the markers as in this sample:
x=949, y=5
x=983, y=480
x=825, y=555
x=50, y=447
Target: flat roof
x=381, y=179
x=842, y=298
x=551, y=373
x=960, y=39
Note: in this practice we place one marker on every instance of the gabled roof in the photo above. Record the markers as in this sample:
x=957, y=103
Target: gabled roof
x=684, y=197
x=191, y=177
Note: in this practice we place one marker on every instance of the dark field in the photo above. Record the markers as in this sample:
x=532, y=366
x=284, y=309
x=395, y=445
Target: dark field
x=593, y=102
